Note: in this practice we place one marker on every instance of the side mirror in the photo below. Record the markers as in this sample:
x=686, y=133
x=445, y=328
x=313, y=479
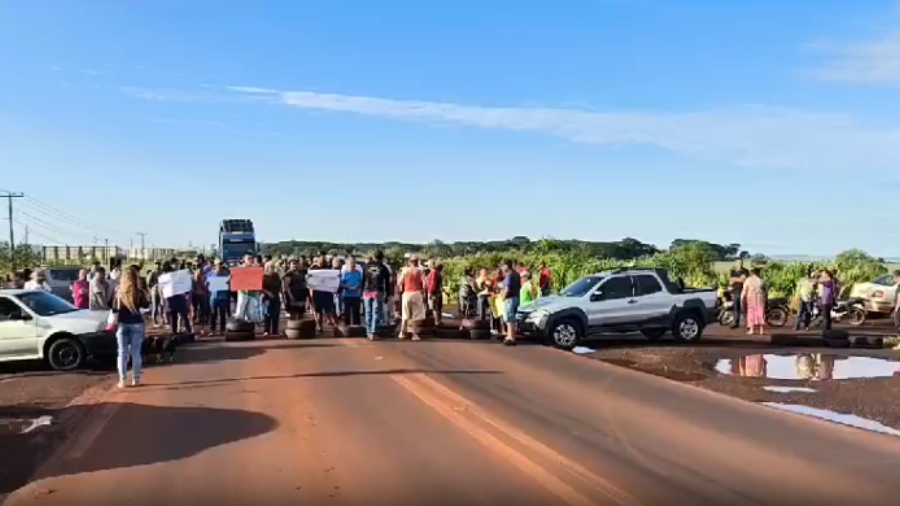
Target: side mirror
x=596, y=296
x=18, y=317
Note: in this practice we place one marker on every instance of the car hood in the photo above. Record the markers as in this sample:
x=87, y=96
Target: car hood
x=83, y=320
x=549, y=303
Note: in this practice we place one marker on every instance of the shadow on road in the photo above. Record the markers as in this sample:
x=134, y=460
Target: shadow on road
x=34, y=368
x=137, y=435
x=216, y=353
x=329, y=374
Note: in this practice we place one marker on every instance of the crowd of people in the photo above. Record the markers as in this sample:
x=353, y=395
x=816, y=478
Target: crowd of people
x=817, y=289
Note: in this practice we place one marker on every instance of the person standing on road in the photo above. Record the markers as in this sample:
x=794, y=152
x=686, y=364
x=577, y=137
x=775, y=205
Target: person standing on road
x=129, y=301
x=351, y=292
x=376, y=292
x=272, y=286
x=753, y=298
x=177, y=306
x=545, y=280
x=219, y=300
x=295, y=290
x=468, y=296
x=81, y=290
x=436, y=291
x=826, y=297
x=512, y=286
x=411, y=283
x=38, y=281
x=529, y=292
x=484, y=286
x=200, y=298
x=322, y=301
x=101, y=292
x=806, y=294
x=736, y=283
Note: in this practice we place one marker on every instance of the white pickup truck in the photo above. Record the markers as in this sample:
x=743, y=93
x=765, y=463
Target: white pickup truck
x=617, y=302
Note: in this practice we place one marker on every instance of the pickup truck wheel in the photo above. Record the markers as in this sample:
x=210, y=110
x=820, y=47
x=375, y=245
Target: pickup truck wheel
x=687, y=328
x=565, y=334
x=653, y=334
x=66, y=354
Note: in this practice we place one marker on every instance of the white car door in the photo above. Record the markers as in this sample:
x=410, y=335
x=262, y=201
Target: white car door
x=18, y=331
x=653, y=302
x=610, y=303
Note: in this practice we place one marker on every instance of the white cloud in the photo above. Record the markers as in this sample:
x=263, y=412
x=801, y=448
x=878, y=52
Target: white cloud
x=748, y=135
x=875, y=61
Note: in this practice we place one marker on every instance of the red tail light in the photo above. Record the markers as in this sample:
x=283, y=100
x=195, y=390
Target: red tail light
x=878, y=294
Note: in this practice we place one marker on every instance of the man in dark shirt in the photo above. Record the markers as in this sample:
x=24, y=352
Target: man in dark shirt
x=295, y=290
x=736, y=284
x=377, y=288
x=512, y=284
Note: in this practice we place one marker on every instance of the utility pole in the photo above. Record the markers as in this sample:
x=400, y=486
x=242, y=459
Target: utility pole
x=26, y=235
x=106, y=251
x=143, y=251
x=12, y=243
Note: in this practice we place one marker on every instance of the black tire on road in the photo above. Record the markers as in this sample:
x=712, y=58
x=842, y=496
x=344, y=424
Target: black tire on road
x=688, y=327
x=66, y=354
x=232, y=336
x=479, y=334
x=836, y=334
x=856, y=316
x=565, y=334
x=351, y=331
x=240, y=326
x=726, y=318
x=472, y=323
x=868, y=342
x=837, y=343
x=653, y=334
x=294, y=324
x=305, y=330
x=777, y=317
x=447, y=333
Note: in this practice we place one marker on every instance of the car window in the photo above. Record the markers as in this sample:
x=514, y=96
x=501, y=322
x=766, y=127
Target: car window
x=885, y=280
x=45, y=304
x=64, y=274
x=616, y=288
x=646, y=284
x=581, y=287
x=8, y=308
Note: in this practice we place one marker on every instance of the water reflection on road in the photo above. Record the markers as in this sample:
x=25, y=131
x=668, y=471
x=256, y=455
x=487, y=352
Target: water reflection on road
x=808, y=366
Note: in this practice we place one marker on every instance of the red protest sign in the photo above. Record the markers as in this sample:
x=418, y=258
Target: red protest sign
x=246, y=279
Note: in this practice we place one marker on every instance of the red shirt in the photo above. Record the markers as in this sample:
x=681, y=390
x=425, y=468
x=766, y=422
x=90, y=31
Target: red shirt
x=544, y=278
x=80, y=293
x=412, y=281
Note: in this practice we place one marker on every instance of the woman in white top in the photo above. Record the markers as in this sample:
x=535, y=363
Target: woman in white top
x=38, y=281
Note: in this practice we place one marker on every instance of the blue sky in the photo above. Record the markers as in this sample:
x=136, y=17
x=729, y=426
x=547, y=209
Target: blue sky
x=773, y=124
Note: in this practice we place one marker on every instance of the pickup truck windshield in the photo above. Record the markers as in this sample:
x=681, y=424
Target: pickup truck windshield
x=581, y=287
x=45, y=304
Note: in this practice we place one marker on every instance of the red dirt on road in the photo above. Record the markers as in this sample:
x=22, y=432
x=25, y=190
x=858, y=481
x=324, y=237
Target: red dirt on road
x=351, y=422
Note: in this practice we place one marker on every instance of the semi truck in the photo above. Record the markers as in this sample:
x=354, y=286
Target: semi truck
x=236, y=239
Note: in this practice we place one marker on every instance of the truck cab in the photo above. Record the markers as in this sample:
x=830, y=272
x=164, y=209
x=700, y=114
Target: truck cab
x=618, y=302
x=236, y=239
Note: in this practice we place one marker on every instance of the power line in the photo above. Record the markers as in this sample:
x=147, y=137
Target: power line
x=35, y=232
x=41, y=223
x=49, y=209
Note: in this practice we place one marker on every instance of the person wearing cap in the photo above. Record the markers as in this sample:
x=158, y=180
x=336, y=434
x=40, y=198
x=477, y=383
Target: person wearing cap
x=38, y=281
x=412, y=285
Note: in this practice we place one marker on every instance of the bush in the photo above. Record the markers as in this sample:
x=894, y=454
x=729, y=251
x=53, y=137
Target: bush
x=695, y=263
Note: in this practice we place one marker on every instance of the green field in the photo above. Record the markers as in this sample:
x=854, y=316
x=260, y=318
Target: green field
x=725, y=267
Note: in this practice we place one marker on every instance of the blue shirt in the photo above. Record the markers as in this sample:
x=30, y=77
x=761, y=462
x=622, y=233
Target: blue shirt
x=352, y=282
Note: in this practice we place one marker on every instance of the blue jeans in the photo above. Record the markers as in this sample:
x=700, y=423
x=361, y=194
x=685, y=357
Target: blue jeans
x=374, y=311
x=510, y=308
x=130, y=338
x=803, y=315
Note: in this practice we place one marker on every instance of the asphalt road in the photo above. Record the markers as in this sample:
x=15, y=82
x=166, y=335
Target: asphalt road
x=347, y=422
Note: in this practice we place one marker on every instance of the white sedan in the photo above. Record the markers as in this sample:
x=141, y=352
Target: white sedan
x=879, y=296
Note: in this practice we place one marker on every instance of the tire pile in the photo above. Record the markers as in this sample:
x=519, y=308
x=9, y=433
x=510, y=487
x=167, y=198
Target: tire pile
x=240, y=330
x=300, y=329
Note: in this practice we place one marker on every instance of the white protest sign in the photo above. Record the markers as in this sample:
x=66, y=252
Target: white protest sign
x=324, y=280
x=175, y=283
x=218, y=283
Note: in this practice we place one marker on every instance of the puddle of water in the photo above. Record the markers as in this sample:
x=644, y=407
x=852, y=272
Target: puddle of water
x=583, y=350
x=15, y=426
x=808, y=366
x=789, y=390
x=663, y=372
x=841, y=418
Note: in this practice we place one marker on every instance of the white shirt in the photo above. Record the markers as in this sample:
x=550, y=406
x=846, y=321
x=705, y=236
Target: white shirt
x=34, y=285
